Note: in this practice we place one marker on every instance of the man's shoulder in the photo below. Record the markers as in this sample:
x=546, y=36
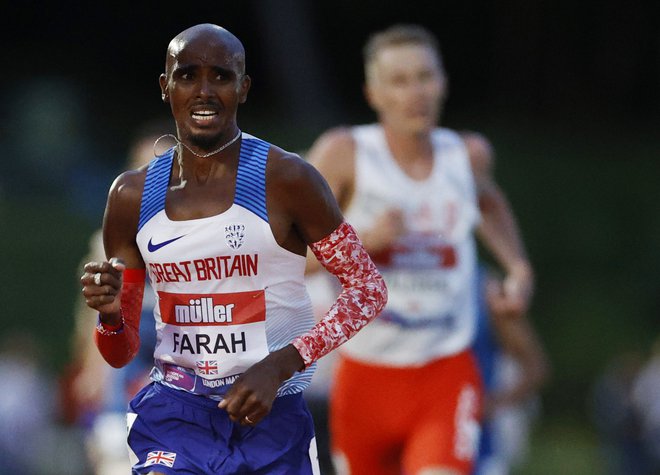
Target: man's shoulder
x=479, y=149
x=127, y=187
x=474, y=139
x=447, y=135
x=338, y=137
x=334, y=149
x=285, y=165
x=132, y=178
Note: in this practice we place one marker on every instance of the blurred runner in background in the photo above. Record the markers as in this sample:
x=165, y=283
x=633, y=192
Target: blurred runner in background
x=407, y=395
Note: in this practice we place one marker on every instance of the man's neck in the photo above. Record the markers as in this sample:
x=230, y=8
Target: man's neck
x=412, y=151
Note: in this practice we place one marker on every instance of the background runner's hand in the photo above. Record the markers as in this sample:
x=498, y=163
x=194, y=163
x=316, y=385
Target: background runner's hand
x=512, y=296
x=102, y=286
x=387, y=228
x=251, y=397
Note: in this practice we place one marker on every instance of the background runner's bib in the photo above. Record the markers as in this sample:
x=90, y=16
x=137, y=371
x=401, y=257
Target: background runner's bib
x=429, y=271
x=227, y=293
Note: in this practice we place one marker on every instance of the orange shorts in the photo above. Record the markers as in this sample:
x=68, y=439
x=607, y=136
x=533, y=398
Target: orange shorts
x=389, y=420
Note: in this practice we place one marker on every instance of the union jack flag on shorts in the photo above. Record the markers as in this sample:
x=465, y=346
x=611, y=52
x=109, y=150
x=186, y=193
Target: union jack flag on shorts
x=207, y=367
x=160, y=458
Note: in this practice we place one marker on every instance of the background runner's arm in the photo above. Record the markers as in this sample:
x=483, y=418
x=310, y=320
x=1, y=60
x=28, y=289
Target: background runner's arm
x=518, y=339
x=332, y=155
x=499, y=231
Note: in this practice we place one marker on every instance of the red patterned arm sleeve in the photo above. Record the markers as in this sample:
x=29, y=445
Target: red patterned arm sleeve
x=363, y=295
x=120, y=344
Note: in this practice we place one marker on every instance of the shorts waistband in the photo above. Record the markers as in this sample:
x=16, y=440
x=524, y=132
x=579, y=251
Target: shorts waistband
x=186, y=397
x=204, y=402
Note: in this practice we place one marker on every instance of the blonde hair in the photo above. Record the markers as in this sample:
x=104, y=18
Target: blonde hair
x=397, y=35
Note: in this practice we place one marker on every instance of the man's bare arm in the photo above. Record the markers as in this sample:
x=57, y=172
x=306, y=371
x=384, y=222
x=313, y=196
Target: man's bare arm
x=499, y=231
x=114, y=287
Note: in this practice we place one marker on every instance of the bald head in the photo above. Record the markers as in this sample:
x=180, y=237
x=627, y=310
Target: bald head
x=204, y=82
x=210, y=37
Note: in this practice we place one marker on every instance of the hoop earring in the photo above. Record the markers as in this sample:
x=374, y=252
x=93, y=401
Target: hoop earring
x=163, y=137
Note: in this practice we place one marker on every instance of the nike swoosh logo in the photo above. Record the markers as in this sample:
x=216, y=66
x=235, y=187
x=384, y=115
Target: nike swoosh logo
x=154, y=247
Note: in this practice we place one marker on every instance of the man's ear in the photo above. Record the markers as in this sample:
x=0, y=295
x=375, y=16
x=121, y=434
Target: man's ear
x=246, y=82
x=444, y=91
x=162, y=80
x=369, y=96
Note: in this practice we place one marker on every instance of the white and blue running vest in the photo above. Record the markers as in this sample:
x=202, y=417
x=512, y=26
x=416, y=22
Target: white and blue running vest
x=227, y=293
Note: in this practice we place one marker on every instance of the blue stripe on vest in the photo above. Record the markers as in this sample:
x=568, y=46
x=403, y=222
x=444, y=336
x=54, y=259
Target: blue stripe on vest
x=155, y=187
x=250, y=190
x=251, y=177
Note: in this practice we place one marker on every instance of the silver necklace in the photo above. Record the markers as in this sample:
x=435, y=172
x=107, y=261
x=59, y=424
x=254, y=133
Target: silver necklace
x=202, y=155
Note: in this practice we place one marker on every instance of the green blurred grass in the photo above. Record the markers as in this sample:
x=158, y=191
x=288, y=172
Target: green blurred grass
x=562, y=448
x=42, y=244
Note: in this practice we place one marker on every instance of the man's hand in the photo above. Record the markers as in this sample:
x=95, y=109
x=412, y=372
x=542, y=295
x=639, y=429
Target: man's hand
x=102, y=288
x=512, y=296
x=251, y=397
x=387, y=228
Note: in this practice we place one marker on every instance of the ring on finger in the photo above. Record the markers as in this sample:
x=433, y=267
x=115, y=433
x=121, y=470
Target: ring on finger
x=97, y=278
x=248, y=420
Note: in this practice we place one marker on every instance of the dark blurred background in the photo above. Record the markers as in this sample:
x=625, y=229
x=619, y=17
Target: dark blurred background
x=568, y=92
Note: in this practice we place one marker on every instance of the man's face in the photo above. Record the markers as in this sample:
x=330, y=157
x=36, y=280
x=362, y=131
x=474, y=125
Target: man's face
x=204, y=83
x=405, y=86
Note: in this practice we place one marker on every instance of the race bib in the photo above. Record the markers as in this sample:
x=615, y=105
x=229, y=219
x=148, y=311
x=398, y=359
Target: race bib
x=208, y=340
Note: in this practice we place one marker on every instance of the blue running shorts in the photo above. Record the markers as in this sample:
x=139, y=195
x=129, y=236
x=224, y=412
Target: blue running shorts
x=175, y=432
